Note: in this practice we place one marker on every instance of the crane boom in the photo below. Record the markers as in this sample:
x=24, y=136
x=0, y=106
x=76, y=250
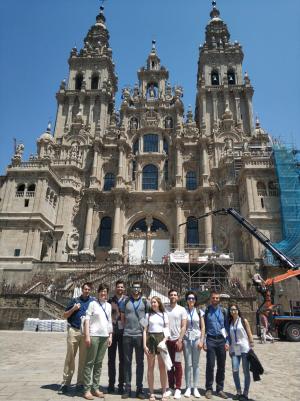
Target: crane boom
x=265, y=241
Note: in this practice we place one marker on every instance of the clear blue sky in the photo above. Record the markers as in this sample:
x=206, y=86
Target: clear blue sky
x=36, y=37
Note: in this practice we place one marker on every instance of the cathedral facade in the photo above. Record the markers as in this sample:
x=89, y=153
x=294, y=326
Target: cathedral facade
x=120, y=185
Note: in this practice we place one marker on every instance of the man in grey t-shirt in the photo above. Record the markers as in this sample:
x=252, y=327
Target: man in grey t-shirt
x=133, y=311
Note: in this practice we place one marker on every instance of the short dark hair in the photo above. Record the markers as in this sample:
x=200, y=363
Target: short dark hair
x=103, y=287
x=172, y=290
x=88, y=283
x=191, y=293
x=216, y=292
x=120, y=282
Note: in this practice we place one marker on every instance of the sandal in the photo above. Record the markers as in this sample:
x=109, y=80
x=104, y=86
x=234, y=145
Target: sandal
x=98, y=394
x=152, y=397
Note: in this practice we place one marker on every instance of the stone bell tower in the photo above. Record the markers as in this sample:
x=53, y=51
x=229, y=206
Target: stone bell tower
x=86, y=101
x=220, y=81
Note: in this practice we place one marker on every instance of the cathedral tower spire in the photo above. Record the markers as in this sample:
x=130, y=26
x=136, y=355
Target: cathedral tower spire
x=220, y=79
x=88, y=96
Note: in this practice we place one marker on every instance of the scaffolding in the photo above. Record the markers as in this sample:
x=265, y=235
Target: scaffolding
x=288, y=173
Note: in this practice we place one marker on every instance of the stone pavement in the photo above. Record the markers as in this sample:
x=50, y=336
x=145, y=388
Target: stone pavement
x=31, y=368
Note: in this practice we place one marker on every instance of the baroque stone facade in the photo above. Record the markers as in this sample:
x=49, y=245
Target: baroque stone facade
x=119, y=184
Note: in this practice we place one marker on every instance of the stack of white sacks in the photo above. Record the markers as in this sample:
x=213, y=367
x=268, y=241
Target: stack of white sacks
x=57, y=325
x=31, y=324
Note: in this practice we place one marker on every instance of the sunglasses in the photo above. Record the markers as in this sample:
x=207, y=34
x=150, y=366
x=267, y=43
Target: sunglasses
x=233, y=309
x=191, y=299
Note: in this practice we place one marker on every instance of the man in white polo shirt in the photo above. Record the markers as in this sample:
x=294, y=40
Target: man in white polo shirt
x=177, y=324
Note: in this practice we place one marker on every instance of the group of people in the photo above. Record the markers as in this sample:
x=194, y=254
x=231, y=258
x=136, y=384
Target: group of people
x=169, y=334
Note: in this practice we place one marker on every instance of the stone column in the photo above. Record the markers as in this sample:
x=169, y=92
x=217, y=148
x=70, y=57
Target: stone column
x=103, y=116
x=178, y=167
x=87, y=251
x=250, y=112
x=149, y=222
x=203, y=107
x=249, y=194
x=238, y=109
x=215, y=107
x=208, y=226
x=205, y=164
x=179, y=230
x=70, y=111
x=120, y=175
x=116, y=248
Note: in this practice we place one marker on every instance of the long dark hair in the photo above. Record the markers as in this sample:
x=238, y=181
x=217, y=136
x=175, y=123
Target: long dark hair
x=161, y=307
x=230, y=318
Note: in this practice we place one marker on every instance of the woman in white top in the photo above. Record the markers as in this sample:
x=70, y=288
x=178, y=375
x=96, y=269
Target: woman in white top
x=156, y=329
x=98, y=336
x=192, y=344
x=241, y=340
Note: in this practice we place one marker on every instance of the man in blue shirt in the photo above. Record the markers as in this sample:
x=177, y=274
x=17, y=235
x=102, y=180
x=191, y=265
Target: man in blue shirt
x=217, y=343
x=75, y=310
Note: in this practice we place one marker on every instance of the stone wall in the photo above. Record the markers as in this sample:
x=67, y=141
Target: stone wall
x=15, y=309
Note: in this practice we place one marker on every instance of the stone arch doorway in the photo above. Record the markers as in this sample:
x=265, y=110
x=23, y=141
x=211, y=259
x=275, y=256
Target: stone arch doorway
x=147, y=241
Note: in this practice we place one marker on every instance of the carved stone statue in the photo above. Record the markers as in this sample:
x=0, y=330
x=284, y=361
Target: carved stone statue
x=73, y=240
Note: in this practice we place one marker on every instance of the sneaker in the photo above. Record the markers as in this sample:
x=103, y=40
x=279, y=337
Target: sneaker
x=208, y=394
x=110, y=390
x=64, y=389
x=187, y=393
x=168, y=393
x=120, y=390
x=221, y=394
x=237, y=397
x=177, y=394
x=243, y=398
x=140, y=395
x=126, y=394
x=196, y=393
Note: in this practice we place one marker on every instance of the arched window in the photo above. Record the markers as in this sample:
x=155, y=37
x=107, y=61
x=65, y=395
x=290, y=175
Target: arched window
x=261, y=189
x=31, y=188
x=192, y=231
x=150, y=143
x=78, y=82
x=215, y=78
x=168, y=122
x=20, y=190
x=231, y=77
x=95, y=82
x=166, y=146
x=135, y=147
x=191, y=180
x=273, y=188
x=109, y=181
x=105, y=232
x=150, y=177
x=142, y=226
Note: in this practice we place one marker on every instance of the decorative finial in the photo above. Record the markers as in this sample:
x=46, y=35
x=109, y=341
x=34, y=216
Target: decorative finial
x=153, y=45
x=49, y=126
x=214, y=3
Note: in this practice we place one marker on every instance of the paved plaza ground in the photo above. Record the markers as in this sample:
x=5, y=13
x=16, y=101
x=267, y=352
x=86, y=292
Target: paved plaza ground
x=31, y=369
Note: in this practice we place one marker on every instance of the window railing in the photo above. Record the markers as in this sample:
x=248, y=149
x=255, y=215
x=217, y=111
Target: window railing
x=30, y=194
x=20, y=194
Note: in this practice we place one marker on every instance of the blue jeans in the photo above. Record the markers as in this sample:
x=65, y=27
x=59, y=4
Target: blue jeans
x=236, y=360
x=191, y=362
